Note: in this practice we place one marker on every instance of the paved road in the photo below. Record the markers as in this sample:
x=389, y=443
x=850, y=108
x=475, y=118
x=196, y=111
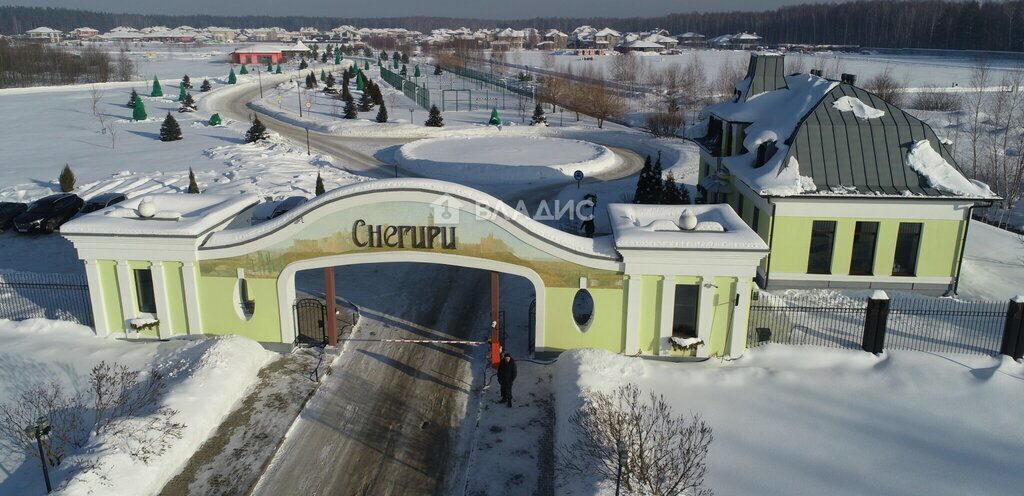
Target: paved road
x=386, y=421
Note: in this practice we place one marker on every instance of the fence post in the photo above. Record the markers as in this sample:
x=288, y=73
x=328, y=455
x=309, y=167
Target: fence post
x=1013, y=332
x=876, y=317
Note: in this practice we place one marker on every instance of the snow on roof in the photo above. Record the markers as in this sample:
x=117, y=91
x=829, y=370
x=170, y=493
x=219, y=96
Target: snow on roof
x=690, y=34
x=264, y=48
x=657, y=227
x=600, y=247
x=42, y=29
x=607, y=32
x=939, y=174
x=643, y=44
x=746, y=36
x=177, y=215
x=660, y=38
x=859, y=108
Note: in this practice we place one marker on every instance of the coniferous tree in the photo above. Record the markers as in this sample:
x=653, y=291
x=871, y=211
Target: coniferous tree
x=382, y=114
x=405, y=58
x=303, y=64
x=350, y=108
x=243, y=70
x=270, y=67
x=170, y=130
x=329, y=85
x=181, y=93
x=345, y=93
x=257, y=132
x=66, y=179
x=375, y=93
x=494, y=120
x=215, y=120
x=232, y=79
x=656, y=181
x=323, y=58
x=437, y=70
x=131, y=100
x=395, y=56
x=538, y=116
x=193, y=186
x=157, y=89
x=643, y=182
x=323, y=75
x=320, y=189
x=186, y=82
x=188, y=105
x=434, y=119
x=670, y=194
x=337, y=57
x=278, y=69
x=365, y=102
x=684, y=195
x=139, y=110
x=404, y=72
x=366, y=65
x=416, y=73
x=206, y=86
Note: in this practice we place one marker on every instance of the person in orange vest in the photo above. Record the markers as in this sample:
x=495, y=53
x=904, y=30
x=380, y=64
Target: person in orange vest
x=506, y=375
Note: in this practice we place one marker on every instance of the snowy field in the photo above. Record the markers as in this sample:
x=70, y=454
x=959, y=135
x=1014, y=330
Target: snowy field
x=804, y=420
x=206, y=377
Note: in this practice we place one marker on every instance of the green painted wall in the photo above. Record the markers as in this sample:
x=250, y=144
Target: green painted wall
x=722, y=307
x=132, y=265
x=938, y=255
x=650, y=303
x=175, y=298
x=217, y=308
x=111, y=295
x=606, y=330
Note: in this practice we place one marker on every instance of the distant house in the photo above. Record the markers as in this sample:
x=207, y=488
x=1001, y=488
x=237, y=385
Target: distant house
x=85, y=33
x=217, y=33
x=738, y=41
x=262, y=53
x=847, y=190
x=45, y=34
x=509, y=39
x=639, y=46
x=666, y=42
x=691, y=40
x=607, y=38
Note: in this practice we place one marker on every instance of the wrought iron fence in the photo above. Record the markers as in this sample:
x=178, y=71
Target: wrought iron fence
x=779, y=322
x=945, y=325
x=25, y=295
x=413, y=91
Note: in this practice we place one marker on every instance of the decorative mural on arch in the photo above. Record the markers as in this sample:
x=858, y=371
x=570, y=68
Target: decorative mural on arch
x=408, y=226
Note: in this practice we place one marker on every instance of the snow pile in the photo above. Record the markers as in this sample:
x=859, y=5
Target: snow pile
x=939, y=174
x=858, y=107
x=206, y=377
x=198, y=214
x=810, y=421
x=491, y=160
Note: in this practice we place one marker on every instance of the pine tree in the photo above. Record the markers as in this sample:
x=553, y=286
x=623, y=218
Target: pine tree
x=181, y=92
x=337, y=57
x=323, y=58
x=215, y=120
x=416, y=73
x=538, y=116
x=376, y=95
x=437, y=70
x=643, y=182
x=303, y=64
x=157, y=90
x=657, y=184
x=366, y=65
x=131, y=100
x=243, y=70
x=188, y=105
x=365, y=101
x=670, y=194
x=329, y=83
x=206, y=86
x=323, y=75
x=360, y=83
x=405, y=58
x=66, y=179
x=139, y=110
x=395, y=56
x=193, y=186
x=395, y=65
x=404, y=72
x=320, y=189
x=350, y=108
x=345, y=93
x=232, y=79
x=270, y=67
x=382, y=114
x=258, y=132
x=494, y=120
x=684, y=194
x=170, y=130
x=186, y=82
x=278, y=69
x=434, y=119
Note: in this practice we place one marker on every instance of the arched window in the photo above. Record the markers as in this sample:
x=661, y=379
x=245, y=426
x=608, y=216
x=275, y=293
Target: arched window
x=244, y=304
x=583, y=308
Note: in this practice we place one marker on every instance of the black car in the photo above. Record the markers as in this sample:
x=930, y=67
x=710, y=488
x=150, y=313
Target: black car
x=287, y=204
x=8, y=211
x=48, y=214
x=102, y=201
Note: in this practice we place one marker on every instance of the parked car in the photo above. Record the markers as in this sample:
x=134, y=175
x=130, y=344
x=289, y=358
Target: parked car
x=8, y=211
x=288, y=204
x=48, y=214
x=102, y=201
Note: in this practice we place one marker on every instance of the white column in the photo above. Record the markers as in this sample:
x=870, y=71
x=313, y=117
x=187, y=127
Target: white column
x=705, y=314
x=740, y=317
x=124, y=289
x=632, y=314
x=163, y=313
x=668, y=300
x=99, y=309
x=191, y=285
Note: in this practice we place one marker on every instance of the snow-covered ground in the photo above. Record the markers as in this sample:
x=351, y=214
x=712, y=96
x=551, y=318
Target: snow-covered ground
x=206, y=377
x=803, y=420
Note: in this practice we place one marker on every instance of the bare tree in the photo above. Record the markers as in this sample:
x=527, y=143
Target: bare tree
x=976, y=101
x=936, y=101
x=667, y=453
x=125, y=66
x=95, y=96
x=729, y=73
x=112, y=130
x=548, y=59
x=887, y=87
x=1005, y=164
x=693, y=87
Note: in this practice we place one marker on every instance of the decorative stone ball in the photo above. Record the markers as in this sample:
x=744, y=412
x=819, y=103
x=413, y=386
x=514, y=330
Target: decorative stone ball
x=687, y=220
x=147, y=208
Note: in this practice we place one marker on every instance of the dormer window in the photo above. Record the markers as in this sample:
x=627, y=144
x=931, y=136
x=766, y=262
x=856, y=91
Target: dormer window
x=764, y=152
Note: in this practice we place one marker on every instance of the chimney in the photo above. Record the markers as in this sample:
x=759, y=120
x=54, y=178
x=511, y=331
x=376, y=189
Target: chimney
x=816, y=72
x=849, y=78
x=766, y=72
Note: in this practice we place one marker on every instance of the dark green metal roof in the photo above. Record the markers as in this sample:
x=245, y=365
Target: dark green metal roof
x=767, y=72
x=861, y=156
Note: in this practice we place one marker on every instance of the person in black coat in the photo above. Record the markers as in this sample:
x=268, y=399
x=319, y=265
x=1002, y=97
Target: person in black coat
x=506, y=375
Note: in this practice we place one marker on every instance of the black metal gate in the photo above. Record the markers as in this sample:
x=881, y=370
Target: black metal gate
x=310, y=314
x=532, y=338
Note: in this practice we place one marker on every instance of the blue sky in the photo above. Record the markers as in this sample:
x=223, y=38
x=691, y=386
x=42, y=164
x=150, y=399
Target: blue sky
x=489, y=9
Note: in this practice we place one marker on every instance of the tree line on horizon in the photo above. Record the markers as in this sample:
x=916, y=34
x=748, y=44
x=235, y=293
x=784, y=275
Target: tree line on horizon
x=939, y=24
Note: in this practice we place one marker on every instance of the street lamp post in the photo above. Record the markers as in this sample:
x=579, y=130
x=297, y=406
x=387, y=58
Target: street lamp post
x=38, y=431
x=298, y=92
x=623, y=459
x=259, y=74
x=410, y=116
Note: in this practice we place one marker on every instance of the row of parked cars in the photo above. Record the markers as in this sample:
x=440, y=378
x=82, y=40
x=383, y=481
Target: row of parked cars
x=46, y=215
